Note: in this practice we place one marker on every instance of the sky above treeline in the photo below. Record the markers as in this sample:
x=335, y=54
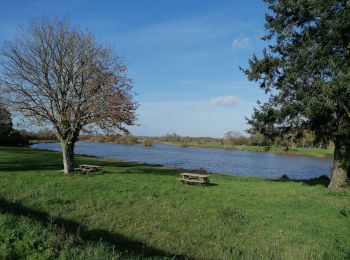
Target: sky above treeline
x=183, y=56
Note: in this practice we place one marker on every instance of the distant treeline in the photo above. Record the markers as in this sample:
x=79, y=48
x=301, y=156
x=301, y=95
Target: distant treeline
x=118, y=139
x=185, y=141
x=40, y=136
x=233, y=138
x=12, y=137
x=229, y=140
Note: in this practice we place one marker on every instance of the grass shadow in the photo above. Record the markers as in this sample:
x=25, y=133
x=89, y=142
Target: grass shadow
x=322, y=180
x=150, y=170
x=200, y=185
x=118, y=241
x=26, y=159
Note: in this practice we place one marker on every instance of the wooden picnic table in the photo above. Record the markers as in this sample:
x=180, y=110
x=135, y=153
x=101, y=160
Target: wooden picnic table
x=88, y=168
x=194, y=178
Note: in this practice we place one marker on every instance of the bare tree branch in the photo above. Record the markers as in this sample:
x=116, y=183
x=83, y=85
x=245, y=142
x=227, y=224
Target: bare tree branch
x=59, y=75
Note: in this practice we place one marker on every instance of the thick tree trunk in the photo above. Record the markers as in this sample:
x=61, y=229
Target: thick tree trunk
x=68, y=156
x=341, y=165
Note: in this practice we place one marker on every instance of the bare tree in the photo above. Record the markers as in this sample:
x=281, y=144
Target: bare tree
x=232, y=138
x=59, y=76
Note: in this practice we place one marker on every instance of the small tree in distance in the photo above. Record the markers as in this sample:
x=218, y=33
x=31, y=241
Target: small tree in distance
x=233, y=138
x=59, y=76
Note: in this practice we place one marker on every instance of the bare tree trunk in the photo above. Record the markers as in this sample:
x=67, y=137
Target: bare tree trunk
x=341, y=165
x=68, y=156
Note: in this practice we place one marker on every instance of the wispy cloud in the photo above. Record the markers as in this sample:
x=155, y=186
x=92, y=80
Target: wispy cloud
x=196, y=29
x=241, y=42
x=167, y=108
x=225, y=101
x=180, y=31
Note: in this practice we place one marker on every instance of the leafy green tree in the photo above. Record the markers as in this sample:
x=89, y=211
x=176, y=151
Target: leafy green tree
x=306, y=71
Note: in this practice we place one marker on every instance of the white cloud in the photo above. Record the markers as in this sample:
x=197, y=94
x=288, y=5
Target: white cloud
x=225, y=101
x=241, y=42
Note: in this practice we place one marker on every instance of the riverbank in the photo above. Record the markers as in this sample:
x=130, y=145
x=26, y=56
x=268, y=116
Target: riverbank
x=134, y=211
x=318, y=152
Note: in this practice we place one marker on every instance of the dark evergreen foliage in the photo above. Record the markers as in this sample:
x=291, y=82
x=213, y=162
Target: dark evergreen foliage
x=306, y=71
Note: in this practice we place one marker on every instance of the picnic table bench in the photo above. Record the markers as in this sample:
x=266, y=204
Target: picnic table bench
x=194, y=178
x=88, y=168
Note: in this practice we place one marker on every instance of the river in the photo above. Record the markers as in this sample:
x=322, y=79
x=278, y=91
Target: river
x=230, y=162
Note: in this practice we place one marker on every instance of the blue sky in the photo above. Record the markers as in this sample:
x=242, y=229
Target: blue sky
x=183, y=56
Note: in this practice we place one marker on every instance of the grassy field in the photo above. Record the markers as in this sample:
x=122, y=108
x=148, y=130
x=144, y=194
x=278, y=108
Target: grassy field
x=320, y=152
x=134, y=211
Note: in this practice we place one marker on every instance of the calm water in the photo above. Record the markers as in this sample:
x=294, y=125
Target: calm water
x=243, y=163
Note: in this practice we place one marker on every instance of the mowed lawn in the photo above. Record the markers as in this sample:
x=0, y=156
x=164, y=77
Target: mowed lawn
x=139, y=211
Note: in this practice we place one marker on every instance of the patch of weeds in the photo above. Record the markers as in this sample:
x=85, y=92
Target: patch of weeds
x=345, y=212
x=233, y=218
x=337, y=194
x=234, y=251
x=153, y=196
x=58, y=201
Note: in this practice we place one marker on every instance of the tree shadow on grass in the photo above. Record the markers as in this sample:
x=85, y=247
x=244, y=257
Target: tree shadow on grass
x=150, y=170
x=21, y=159
x=118, y=241
x=322, y=180
x=26, y=159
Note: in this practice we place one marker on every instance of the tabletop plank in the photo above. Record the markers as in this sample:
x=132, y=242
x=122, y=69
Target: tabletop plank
x=194, y=175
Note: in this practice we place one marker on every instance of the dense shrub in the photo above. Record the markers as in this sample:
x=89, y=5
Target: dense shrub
x=118, y=139
x=147, y=142
x=13, y=138
x=42, y=135
x=184, y=142
x=8, y=135
x=126, y=139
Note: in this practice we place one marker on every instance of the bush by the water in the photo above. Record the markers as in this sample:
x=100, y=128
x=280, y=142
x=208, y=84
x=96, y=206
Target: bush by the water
x=118, y=139
x=147, y=142
x=184, y=142
x=39, y=136
x=14, y=138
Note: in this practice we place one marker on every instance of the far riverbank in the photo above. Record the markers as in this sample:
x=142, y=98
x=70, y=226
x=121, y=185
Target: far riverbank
x=318, y=152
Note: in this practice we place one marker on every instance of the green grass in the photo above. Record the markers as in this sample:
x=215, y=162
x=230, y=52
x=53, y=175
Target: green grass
x=134, y=211
x=320, y=152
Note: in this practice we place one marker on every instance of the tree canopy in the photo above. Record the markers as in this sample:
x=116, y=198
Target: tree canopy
x=305, y=69
x=60, y=76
